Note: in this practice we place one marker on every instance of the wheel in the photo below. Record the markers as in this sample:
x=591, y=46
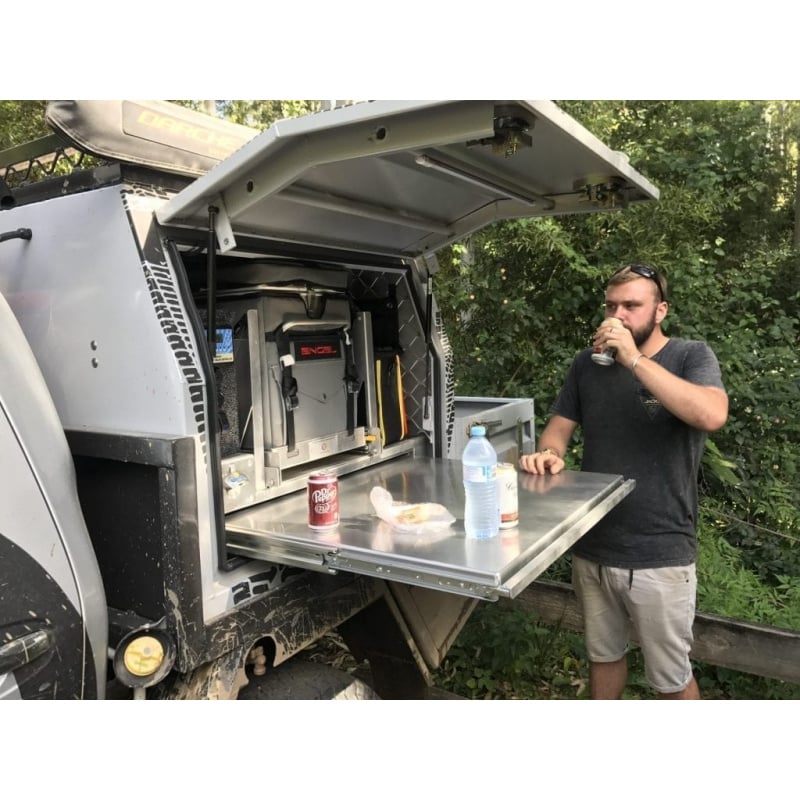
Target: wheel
x=298, y=679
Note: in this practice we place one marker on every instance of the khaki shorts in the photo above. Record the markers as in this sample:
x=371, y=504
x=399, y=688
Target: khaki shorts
x=657, y=604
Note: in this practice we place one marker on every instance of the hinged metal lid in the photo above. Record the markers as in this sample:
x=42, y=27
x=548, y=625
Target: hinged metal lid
x=404, y=178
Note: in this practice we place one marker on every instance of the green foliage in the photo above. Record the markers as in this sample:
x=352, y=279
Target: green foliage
x=757, y=344
x=256, y=113
x=717, y=467
x=503, y=653
x=726, y=586
x=21, y=121
x=719, y=683
x=497, y=333
x=262, y=113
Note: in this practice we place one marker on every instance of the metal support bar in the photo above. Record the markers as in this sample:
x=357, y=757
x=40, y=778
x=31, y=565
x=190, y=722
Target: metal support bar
x=254, y=339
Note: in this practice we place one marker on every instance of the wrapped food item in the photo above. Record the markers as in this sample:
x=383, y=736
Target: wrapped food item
x=409, y=517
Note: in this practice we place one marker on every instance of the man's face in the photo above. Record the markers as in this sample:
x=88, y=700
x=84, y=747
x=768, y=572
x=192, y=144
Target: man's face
x=636, y=304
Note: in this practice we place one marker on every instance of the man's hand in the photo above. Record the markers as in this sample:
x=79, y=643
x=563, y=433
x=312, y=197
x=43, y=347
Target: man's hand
x=614, y=334
x=544, y=461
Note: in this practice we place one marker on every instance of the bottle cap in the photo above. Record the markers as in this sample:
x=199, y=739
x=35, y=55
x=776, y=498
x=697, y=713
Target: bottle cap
x=477, y=430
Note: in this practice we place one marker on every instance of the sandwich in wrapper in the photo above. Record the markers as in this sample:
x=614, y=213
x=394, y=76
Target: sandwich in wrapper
x=409, y=517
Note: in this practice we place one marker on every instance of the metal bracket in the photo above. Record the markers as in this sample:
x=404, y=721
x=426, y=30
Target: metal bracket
x=222, y=227
x=486, y=423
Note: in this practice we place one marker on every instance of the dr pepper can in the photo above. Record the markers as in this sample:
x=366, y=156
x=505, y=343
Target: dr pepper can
x=323, y=500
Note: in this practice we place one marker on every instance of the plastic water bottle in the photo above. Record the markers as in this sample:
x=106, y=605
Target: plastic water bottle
x=482, y=506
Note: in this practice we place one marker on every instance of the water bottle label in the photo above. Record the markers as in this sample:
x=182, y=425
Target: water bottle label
x=478, y=474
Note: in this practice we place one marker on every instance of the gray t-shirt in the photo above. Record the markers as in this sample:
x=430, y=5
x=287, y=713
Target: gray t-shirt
x=628, y=432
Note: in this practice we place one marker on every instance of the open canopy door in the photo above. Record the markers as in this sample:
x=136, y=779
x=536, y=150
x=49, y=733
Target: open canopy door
x=405, y=178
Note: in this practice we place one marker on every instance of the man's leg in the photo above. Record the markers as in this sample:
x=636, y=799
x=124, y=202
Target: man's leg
x=662, y=605
x=607, y=680
x=691, y=692
x=605, y=628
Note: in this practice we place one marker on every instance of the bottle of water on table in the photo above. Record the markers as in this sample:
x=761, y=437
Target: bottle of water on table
x=481, y=490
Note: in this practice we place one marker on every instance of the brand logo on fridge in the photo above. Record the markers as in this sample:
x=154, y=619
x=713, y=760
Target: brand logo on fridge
x=317, y=349
x=309, y=350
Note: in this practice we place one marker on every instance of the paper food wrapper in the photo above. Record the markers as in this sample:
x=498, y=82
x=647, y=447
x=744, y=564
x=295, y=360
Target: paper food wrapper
x=409, y=517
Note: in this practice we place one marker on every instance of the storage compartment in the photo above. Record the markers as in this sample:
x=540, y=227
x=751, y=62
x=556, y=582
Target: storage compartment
x=316, y=367
x=509, y=425
x=387, y=364
x=289, y=383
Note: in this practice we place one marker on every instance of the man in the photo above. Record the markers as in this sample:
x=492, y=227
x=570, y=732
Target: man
x=645, y=417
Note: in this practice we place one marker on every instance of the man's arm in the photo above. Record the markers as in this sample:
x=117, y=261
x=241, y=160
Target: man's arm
x=553, y=444
x=702, y=407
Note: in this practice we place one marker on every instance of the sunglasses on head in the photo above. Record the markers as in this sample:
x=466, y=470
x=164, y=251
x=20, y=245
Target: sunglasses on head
x=645, y=272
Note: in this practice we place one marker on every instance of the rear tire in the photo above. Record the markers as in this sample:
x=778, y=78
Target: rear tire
x=298, y=679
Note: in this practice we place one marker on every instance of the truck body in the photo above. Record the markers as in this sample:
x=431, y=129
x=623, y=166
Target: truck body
x=195, y=318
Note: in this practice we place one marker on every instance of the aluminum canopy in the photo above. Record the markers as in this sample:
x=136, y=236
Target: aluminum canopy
x=405, y=178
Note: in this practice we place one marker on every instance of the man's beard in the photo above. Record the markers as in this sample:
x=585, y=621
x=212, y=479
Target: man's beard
x=643, y=334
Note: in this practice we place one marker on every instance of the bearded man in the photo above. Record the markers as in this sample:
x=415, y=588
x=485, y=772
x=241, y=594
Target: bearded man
x=646, y=417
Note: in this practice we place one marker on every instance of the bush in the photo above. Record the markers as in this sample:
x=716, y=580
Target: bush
x=503, y=653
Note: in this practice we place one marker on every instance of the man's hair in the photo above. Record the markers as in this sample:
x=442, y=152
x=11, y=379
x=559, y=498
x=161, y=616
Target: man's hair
x=631, y=272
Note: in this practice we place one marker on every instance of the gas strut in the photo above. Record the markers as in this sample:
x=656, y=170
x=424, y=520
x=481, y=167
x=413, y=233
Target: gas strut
x=211, y=275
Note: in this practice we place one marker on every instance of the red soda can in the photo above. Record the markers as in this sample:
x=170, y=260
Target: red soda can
x=323, y=500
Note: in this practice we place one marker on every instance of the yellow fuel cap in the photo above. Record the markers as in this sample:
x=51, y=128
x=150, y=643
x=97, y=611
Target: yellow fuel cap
x=143, y=656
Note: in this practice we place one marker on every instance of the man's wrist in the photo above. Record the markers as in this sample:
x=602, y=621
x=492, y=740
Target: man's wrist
x=550, y=450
